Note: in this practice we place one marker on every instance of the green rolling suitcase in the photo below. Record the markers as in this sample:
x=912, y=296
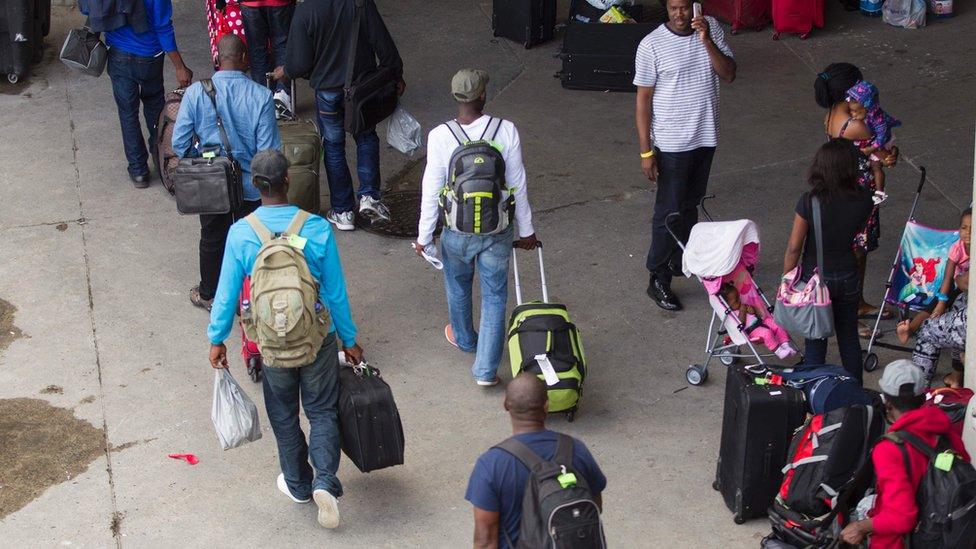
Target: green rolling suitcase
x=302, y=146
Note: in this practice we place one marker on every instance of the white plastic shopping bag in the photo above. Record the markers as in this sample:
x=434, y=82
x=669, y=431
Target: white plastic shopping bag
x=403, y=133
x=234, y=415
x=904, y=13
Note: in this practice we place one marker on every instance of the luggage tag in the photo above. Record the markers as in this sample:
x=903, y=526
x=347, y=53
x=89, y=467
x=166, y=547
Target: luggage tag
x=944, y=461
x=297, y=242
x=566, y=479
x=548, y=371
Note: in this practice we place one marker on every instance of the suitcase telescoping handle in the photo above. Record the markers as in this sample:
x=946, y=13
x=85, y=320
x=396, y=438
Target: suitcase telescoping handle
x=271, y=86
x=542, y=275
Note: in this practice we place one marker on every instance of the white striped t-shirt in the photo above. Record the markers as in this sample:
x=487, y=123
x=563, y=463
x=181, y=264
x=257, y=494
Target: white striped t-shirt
x=685, y=110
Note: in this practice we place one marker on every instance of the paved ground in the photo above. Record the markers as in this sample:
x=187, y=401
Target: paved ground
x=99, y=273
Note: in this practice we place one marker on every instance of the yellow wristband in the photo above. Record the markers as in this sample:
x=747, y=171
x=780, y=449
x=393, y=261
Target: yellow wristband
x=647, y=154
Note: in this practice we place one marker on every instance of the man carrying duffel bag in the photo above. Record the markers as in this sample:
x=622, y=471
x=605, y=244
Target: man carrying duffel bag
x=298, y=304
x=475, y=179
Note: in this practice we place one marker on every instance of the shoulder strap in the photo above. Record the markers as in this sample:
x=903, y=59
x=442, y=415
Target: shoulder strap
x=354, y=45
x=491, y=130
x=918, y=443
x=564, y=451
x=297, y=222
x=521, y=452
x=818, y=233
x=458, y=132
x=264, y=235
x=844, y=127
x=896, y=438
x=211, y=91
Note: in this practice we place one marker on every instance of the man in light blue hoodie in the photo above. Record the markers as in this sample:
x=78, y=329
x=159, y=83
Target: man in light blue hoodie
x=315, y=385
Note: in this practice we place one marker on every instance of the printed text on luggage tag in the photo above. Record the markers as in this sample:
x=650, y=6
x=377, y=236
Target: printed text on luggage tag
x=548, y=371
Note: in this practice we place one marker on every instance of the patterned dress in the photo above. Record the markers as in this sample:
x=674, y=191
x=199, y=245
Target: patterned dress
x=221, y=22
x=866, y=240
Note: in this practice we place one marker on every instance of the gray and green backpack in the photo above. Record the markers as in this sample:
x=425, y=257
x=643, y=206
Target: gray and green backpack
x=475, y=199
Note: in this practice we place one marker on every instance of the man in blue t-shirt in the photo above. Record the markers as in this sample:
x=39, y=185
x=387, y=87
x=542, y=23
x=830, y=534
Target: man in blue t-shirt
x=497, y=483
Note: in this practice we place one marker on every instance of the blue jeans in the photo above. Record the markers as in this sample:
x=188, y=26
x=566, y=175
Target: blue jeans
x=317, y=386
x=461, y=253
x=136, y=79
x=845, y=295
x=331, y=120
x=681, y=183
x=263, y=26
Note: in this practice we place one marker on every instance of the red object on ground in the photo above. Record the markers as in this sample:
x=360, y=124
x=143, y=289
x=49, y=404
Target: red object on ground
x=741, y=14
x=189, y=458
x=797, y=16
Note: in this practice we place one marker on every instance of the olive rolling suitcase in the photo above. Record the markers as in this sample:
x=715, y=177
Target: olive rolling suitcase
x=372, y=435
x=600, y=56
x=302, y=146
x=757, y=425
x=528, y=22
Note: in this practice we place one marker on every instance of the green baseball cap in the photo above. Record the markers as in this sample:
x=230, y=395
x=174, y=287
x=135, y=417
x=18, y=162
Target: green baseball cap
x=468, y=85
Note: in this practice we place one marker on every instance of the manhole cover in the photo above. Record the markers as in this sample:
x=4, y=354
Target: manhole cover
x=405, y=213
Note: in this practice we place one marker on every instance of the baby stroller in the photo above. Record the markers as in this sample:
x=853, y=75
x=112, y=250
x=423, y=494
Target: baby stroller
x=719, y=253
x=916, y=274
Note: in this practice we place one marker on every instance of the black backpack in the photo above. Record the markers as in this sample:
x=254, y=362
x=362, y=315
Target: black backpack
x=558, y=510
x=946, y=495
x=475, y=199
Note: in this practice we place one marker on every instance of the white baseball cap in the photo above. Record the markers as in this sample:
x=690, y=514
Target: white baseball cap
x=899, y=373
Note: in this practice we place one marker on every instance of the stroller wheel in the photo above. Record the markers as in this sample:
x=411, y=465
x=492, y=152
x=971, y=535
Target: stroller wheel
x=254, y=369
x=870, y=362
x=727, y=358
x=696, y=374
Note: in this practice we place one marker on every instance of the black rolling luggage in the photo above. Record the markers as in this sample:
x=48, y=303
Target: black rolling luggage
x=757, y=425
x=372, y=435
x=528, y=22
x=19, y=40
x=600, y=56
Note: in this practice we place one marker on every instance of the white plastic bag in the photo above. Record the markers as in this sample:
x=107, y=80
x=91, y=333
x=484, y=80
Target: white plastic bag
x=234, y=415
x=403, y=133
x=904, y=13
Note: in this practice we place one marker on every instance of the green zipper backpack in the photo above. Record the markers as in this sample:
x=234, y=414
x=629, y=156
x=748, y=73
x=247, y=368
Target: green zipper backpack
x=475, y=199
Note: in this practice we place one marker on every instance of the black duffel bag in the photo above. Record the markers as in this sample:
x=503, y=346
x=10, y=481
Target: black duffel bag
x=372, y=97
x=372, y=435
x=84, y=51
x=211, y=184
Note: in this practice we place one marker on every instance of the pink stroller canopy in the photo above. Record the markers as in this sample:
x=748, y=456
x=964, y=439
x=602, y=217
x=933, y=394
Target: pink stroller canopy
x=716, y=248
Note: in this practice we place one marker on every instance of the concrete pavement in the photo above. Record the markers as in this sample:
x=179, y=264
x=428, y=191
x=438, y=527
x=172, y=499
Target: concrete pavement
x=104, y=310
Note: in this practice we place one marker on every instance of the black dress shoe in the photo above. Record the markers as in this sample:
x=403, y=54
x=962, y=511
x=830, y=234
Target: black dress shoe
x=662, y=295
x=140, y=181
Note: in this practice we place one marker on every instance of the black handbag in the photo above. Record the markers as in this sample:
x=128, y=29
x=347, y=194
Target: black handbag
x=372, y=97
x=212, y=184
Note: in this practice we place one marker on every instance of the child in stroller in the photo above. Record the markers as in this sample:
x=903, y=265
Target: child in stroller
x=759, y=325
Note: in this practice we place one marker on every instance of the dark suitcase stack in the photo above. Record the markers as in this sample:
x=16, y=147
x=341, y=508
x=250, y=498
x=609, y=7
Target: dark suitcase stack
x=372, y=435
x=528, y=22
x=23, y=26
x=600, y=56
x=757, y=426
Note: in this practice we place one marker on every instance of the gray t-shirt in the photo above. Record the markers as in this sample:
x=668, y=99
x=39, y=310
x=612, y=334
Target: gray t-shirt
x=685, y=86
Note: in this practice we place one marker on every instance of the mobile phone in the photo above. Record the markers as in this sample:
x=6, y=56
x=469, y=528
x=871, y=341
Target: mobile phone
x=696, y=9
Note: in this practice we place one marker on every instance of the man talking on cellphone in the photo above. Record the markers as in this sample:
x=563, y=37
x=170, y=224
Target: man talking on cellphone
x=677, y=74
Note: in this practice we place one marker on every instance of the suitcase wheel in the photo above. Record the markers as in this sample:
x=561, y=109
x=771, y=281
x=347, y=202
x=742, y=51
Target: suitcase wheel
x=254, y=369
x=716, y=486
x=571, y=415
x=696, y=374
x=775, y=36
x=12, y=78
x=804, y=36
x=870, y=361
x=737, y=518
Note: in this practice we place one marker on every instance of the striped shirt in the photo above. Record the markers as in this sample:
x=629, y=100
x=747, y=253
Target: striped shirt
x=685, y=110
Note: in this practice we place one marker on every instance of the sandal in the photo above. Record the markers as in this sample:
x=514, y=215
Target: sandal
x=198, y=301
x=864, y=331
x=872, y=312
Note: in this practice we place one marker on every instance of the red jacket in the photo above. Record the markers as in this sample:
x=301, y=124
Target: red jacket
x=895, y=512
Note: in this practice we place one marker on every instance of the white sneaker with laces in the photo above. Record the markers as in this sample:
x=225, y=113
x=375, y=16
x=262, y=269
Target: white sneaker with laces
x=283, y=487
x=345, y=221
x=283, y=104
x=489, y=383
x=328, y=508
x=373, y=209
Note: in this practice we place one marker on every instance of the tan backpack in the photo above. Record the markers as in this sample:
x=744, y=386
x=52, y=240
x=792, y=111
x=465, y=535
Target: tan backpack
x=284, y=316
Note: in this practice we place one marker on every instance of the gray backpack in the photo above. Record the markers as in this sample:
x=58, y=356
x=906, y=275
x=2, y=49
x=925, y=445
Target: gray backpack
x=475, y=199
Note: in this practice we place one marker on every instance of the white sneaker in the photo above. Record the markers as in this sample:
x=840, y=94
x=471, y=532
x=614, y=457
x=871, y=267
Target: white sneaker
x=283, y=488
x=490, y=383
x=345, y=221
x=373, y=209
x=283, y=105
x=328, y=508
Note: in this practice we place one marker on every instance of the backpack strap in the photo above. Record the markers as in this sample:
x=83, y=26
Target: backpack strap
x=521, y=452
x=297, y=222
x=564, y=451
x=491, y=130
x=896, y=438
x=264, y=235
x=918, y=443
x=457, y=131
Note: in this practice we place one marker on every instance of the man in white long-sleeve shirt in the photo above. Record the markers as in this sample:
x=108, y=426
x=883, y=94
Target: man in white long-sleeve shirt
x=477, y=155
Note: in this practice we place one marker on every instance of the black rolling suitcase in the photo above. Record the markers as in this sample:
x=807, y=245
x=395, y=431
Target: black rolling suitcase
x=757, y=426
x=528, y=22
x=19, y=40
x=372, y=435
x=600, y=56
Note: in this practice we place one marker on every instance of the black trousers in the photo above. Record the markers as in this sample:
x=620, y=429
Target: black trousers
x=213, y=238
x=681, y=183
